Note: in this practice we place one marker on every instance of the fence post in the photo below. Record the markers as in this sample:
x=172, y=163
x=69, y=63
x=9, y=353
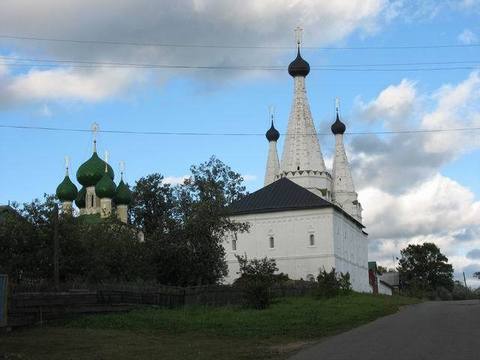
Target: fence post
x=56, y=271
x=3, y=300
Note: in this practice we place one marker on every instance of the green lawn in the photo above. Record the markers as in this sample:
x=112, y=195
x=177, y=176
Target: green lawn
x=199, y=332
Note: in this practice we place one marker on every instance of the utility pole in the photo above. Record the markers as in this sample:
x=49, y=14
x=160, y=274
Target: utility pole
x=464, y=279
x=56, y=272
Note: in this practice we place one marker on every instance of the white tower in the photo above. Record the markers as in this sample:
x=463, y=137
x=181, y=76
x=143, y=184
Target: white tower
x=302, y=160
x=343, y=190
x=273, y=165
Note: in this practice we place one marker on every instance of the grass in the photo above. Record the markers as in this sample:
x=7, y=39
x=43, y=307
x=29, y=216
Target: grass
x=200, y=332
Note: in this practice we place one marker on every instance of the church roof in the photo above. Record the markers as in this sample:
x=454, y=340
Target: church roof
x=282, y=195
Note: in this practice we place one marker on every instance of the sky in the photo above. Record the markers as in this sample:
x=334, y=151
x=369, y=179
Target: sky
x=385, y=60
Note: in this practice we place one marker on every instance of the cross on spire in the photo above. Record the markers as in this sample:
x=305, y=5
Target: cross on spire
x=271, y=112
x=67, y=164
x=298, y=35
x=337, y=105
x=122, y=168
x=106, y=161
x=95, y=129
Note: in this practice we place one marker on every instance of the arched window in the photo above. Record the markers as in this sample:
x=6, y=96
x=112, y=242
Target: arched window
x=92, y=201
x=312, y=239
x=271, y=242
x=234, y=244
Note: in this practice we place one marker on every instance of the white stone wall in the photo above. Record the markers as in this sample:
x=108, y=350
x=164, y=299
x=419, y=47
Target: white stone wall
x=338, y=243
x=301, y=150
x=273, y=165
x=343, y=189
x=92, y=201
x=384, y=289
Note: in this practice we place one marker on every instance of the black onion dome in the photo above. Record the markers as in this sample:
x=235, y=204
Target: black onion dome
x=338, y=127
x=272, y=134
x=298, y=67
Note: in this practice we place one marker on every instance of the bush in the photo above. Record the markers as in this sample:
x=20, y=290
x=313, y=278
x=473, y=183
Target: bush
x=256, y=279
x=443, y=294
x=331, y=284
x=461, y=292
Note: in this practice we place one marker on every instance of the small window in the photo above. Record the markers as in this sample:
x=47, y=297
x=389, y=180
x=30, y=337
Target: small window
x=91, y=201
x=312, y=239
x=272, y=242
x=234, y=244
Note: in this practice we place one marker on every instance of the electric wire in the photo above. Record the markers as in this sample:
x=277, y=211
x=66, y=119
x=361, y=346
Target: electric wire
x=29, y=62
x=227, y=46
x=193, y=133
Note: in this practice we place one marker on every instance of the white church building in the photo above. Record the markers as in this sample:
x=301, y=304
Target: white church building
x=305, y=217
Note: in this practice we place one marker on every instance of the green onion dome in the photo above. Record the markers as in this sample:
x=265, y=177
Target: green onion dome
x=105, y=188
x=92, y=170
x=123, y=195
x=80, y=200
x=67, y=191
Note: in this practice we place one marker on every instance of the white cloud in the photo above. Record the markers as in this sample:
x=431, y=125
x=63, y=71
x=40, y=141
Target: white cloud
x=65, y=84
x=467, y=37
x=393, y=105
x=236, y=22
x=3, y=70
x=398, y=162
x=457, y=107
x=248, y=178
x=45, y=111
x=175, y=180
x=436, y=205
x=405, y=196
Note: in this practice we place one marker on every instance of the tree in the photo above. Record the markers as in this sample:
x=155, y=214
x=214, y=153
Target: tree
x=476, y=274
x=184, y=229
x=381, y=270
x=153, y=203
x=331, y=284
x=185, y=225
x=425, y=268
x=256, y=279
x=202, y=215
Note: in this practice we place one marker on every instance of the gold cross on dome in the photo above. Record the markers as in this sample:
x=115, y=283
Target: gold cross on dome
x=95, y=129
x=298, y=35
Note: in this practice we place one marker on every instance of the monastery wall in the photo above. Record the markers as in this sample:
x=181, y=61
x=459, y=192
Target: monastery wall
x=304, y=241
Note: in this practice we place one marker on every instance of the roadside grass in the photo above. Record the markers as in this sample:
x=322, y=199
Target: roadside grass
x=201, y=332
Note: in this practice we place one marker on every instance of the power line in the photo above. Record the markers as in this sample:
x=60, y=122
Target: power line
x=226, y=46
x=176, y=133
x=93, y=62
x=29, y=62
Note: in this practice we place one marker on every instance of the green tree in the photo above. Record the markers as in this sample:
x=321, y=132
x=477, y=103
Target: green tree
x=153, y=203
x=381, y=269
x=425, y=268
x=185, y=225
x=202, y=214
x=257, y=276
x=477, y=274
x=331, y=284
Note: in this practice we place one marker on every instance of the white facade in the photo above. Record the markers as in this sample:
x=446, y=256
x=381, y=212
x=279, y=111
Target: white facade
x=273, y=165
x=302, y=159
x=304, y=233
x=337, y=242
x=384, y=289
x=343, y=190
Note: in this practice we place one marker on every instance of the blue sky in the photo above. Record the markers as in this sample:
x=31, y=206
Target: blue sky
x=444, y=166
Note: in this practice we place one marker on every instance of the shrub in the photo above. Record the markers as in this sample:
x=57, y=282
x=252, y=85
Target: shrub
x=331, y=284
x=257, y=276
x=443, y=294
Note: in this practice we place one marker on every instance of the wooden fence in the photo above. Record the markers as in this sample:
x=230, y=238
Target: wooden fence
x=26, y=308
